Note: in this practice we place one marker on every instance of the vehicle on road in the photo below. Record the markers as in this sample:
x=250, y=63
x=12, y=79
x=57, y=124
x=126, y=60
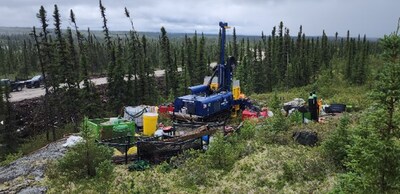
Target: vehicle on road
x=35, y=82
x=14, y=85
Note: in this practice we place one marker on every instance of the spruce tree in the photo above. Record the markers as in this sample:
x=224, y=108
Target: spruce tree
x=25, y=68
x=258, y=80
x=235, y=46
x=374, y=156
x=73, y=61
x=82, y=51
x=249, y=67
x=201, y=69
x=115, y=73
x=269, y=65
x=142, y=84
x=275, y=57
x=349, y=57
x=3, y=152
x=167, y=62
x=107, y=36
x=135, y=87
x=324, y=50
x=9, y=136
x=189, y=60
x=316, y=60
x=10, y=57
x=151, y=95
x=117, y=87
x=364, y=61
x=240, y=73
x=43, y=49
x=109, y=45
x=195, y=69
x=281, y=55
x=287, y=58
x=2, y=60
x=131, y=84
x=60, y=70
x=304, y=60
x=184, y=78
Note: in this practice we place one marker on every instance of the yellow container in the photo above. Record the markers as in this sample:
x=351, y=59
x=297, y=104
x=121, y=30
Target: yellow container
x=236, y=92
x=149, y=123
x=214, y=86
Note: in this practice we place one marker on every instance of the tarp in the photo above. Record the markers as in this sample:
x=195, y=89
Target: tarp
x=72, y=140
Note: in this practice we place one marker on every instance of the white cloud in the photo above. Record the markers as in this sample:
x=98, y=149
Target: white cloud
x=374, y=18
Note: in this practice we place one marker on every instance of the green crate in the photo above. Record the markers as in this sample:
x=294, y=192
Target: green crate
x=103, y=129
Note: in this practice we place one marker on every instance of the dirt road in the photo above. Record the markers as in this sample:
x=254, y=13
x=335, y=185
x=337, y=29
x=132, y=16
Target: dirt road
x=28, y=93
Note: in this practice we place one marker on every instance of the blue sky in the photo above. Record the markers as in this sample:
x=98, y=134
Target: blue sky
x=250, y=17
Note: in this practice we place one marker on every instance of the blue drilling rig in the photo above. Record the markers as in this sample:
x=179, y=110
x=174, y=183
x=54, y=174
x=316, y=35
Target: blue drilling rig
x=205, y=102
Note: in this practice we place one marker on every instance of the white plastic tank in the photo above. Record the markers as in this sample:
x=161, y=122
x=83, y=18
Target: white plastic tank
x=135, y=114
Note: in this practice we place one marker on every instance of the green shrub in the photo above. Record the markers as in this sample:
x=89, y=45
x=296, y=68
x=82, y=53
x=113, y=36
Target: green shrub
x=223, y=152
x=164, y=167
x=125, y=185
x=308, y=166
x=151, y=183
x=247, y=131
x=139, y=165
x=10, y=158
x=349, y=183
x=82, y=160
x=274, y=130
x=296, y=118
x=278, y=122
x=178, y=161
x=334, y=147
x=195, y=172
x=275, y=103
x=84, y=163
x=104, y=176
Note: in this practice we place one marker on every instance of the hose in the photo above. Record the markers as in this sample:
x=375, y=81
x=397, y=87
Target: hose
x=137, y=115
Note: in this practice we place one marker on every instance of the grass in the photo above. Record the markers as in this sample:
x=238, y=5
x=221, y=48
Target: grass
x=339, y=94
x=262, y=158
x=264, y=165
x=10, y=158
x=36, y=142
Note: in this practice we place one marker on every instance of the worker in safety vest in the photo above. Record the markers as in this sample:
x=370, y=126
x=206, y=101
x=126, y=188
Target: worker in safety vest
x=311, y=105
x=319, y=103
x=316, y=108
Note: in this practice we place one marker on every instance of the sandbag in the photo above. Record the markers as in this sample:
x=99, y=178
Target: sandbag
x=337, y=108
x=308, y=138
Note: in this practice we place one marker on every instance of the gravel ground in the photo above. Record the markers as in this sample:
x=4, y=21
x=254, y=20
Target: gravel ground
x=25, y=174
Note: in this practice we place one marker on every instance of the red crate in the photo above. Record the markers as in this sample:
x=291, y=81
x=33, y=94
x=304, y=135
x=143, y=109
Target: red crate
x=164, y=109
